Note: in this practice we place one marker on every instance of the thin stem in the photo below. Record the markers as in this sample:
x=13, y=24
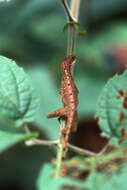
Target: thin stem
x=67, y=11
x=26, y=129
x=85, y=152
x=70, y=51
x=71, y=40
x=40, y=142
x=72, y=17
x=60, y=148
x=59, y=162
x=74, y=11
x=75, y=5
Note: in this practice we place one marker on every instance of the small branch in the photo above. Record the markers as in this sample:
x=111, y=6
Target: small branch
x=75, y=5
x=67, y=11
x=72, y=17
x=26, y=129
x=80, y=150
x=60, y=148
x=40, y=142
x=85, y=152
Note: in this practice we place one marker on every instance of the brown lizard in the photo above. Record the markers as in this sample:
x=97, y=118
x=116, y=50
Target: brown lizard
x=69, y=97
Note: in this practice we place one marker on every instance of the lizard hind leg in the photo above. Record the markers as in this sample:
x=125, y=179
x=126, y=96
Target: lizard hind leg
x=68, y=131
x=58, y=113
x=75, y=124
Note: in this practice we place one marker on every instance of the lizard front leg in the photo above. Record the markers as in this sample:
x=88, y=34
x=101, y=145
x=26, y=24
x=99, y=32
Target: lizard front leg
x=61, y=113
x=58, y=113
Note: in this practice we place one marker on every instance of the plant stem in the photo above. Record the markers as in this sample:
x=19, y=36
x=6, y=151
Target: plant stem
x=60, y=148
x=75, y=5
x=74, y=10
x=26, y=129
x=85, y=152
x=40, y=142
x=67, y=11
x=72, y=18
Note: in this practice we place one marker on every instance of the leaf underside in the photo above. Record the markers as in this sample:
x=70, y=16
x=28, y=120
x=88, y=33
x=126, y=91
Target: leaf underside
x=111, y=110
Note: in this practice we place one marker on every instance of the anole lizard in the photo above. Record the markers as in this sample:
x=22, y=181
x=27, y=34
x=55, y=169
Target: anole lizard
x=69, y=97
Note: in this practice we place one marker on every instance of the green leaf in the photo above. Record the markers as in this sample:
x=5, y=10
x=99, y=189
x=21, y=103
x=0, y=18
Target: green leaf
x=46, y=180
x=8, y=139
x=18, y=98
x=112, y=107
x=76, y=24
x=82, y=33
x=10, y=136
x=102, y=181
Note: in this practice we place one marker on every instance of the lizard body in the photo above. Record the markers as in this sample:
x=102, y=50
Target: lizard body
x=69, y=97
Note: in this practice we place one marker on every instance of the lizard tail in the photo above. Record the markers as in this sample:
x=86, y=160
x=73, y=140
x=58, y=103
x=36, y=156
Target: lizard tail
x=58, y=113
x=68, y=131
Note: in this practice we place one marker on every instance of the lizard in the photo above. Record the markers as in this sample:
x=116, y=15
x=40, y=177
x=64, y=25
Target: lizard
x=69, y=97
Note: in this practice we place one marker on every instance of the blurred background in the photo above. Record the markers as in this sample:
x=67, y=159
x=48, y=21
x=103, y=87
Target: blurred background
x=31, y=34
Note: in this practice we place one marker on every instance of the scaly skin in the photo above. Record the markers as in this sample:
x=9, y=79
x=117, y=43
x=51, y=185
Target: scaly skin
x=69, y=97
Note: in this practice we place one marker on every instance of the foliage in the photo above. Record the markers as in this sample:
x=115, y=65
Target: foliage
x=111, y=109
x=18, y=98
x=18, y=103
x=47, y=181
x=107, y=171
x=9, y=136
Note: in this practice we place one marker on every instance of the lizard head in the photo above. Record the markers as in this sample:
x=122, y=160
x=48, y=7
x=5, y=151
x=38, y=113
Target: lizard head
x=68, y=63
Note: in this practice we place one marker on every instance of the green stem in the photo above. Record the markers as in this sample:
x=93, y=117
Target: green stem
x=71, y=39
x=37, y=142
x=74, y=11
x=26, y=129
x=75, y=5
x=72, y=17
x=60, y=148
x=59, y=162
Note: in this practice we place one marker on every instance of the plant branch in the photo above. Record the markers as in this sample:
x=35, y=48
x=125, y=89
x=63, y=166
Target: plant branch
x=26, y=129
x=60, y=148
x=70, y=51
x=72, y=17
x=39, y=142
x=67, y=11
x=59, y=143
x=85, y=152
x=75, y=5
